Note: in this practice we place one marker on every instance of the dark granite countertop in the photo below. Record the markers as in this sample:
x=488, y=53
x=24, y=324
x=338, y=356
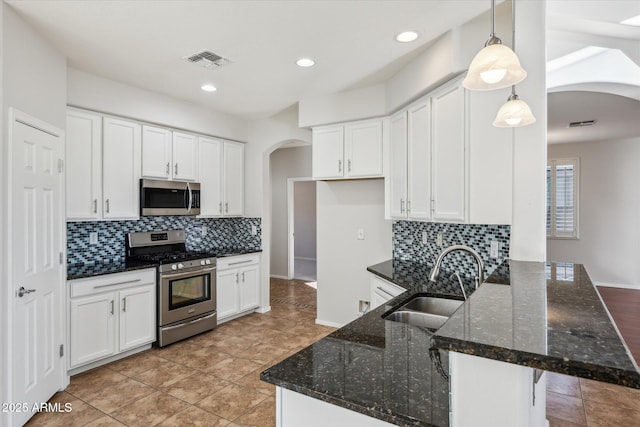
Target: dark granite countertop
x=545, y=316
x=80, y=271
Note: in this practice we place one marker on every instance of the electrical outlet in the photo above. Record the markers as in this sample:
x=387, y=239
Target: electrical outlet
x=360, y=233
x=439, y=240
x=425, y=238
x=204, y=230
x=93, y=238
x=363, y=306
x=254, y=230
x=494, y=249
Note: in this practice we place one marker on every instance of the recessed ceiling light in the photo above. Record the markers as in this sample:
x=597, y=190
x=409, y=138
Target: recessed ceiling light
x=635, y=21
x=406, y=37
x=305, y=62
x=208, y=88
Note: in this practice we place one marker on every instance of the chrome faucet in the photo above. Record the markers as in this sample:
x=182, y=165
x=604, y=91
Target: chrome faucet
x=436, y=268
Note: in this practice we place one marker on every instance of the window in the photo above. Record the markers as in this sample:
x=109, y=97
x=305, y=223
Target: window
x=562, y=198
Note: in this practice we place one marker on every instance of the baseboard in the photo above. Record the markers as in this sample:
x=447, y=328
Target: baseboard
x=277, y=276
x=305, y=258
x=616, y=285
x=332, y=324
x=263, y=310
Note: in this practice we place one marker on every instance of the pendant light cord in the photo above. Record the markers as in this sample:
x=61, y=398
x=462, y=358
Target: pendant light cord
x=513, y=39
x=493, y=18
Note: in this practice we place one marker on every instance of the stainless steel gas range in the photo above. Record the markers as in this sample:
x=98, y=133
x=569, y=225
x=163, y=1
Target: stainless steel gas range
x=186, y=303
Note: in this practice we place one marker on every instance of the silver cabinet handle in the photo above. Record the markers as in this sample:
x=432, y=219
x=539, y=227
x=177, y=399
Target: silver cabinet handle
x=124, y=304
x=226, y=207
x=433, y=205
x=111, y=306
x=95, y=206
x=240, y=262
x=243, y=277
x=220, y=207
x=175, y=170
x=349, y=165
x=23, y=291
x=339, y=165
x=117, y=283
x=168, y=168
x=408, y=206
x=237, y=277
x=107, y=204
x=401, y=205
x=388, y=293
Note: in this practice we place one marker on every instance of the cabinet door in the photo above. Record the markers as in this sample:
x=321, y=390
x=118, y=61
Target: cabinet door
x=233, y=179
x=398, y=166
x=137, y=317
x=210, y=167
x=449, y=144
x=249, y=287
x=185, y=157
x=419, y=161
x=121, y=169
x=84, y=166
x=92, y=320
x=228, y=293
x=363, y=149
x=328, y=152
x=156, y=152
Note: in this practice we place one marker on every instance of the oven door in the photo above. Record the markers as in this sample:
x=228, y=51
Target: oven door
x=186, y=294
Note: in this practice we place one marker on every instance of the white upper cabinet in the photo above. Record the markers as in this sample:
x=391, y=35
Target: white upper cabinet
x=185, y=157
x=328, y=152
x=397, y=179
x=363, y=149
x=221, y=165
x=233, y=179
x=156, y=152
x=351, y=150
x=449, y=176
x=121, y=169
x=419, y=161
x=84, y=165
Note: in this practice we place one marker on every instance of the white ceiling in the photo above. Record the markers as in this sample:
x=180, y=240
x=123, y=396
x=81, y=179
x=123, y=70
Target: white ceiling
x=142, y=43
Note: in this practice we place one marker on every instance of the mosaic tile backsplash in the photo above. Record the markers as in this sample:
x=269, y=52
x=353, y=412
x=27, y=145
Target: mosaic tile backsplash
x=408, y=246
x=222, y=233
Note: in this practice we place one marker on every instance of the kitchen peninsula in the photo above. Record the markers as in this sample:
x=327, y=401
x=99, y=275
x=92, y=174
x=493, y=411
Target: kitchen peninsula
x=525, y=319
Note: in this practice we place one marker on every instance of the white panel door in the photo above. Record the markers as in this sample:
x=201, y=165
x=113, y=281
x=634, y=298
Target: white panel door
x=448, y=139
x=156, y=152
x=419, y=161
x=328, y=152
x=398, y=166
x=233, y=179
x=36, y=218
x=227, y=293
x=363, y=149
x=84, y=166
x=121, y=169
x=185, y=157
x=92, y=328
x=211, y=174
x=249, y=289
x=137, y=317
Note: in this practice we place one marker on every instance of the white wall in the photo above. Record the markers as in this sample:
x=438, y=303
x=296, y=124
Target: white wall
x=285, y=163
x=305, y=219
x=609, y=202
x=33, y=80
x=342, y=208
x=89, y=91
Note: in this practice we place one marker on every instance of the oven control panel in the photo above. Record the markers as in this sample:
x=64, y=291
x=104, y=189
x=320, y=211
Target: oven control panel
x=192, y=265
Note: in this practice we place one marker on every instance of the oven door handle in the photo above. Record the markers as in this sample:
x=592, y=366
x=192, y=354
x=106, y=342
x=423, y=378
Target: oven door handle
x=182, y=325
x=187, y=273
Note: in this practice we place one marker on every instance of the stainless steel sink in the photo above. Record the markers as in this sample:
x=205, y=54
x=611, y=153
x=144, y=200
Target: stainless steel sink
x=425, y=312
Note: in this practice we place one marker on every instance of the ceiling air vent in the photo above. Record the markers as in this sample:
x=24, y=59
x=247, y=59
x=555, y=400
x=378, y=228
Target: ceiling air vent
x=582, y=124
x=207, y=59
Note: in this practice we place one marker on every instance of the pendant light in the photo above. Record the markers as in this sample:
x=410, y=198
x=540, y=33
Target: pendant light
x=495, y=66
x=515, y=112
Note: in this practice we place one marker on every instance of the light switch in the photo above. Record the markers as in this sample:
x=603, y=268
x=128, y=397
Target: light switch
x=360, y=233
x=425, y=238
x=204, y=230
x=439, y=240
x=93, y=238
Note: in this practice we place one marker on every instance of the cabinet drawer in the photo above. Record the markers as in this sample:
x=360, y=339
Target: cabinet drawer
x=111, y=282
x=385, y=288
x=238, y=261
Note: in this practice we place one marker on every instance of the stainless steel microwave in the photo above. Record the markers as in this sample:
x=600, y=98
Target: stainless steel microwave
x=169, y=197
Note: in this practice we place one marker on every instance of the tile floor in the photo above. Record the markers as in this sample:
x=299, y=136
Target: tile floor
x=208, y=380
x=213, y=379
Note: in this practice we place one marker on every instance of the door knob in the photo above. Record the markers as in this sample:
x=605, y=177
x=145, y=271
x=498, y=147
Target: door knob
x=22, y=291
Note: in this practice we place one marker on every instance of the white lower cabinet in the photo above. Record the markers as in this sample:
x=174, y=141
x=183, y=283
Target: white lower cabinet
x=237, y=285
x=110, y=314
x=383, y=291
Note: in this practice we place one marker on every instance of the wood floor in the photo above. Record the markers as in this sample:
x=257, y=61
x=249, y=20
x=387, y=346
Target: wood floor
x=624, y=306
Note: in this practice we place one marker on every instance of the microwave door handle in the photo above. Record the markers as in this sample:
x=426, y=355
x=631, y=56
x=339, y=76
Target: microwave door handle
x=190, y=198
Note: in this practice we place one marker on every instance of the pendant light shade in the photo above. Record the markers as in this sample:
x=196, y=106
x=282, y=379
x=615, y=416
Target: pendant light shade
x=496, y=66
x=514, y=113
